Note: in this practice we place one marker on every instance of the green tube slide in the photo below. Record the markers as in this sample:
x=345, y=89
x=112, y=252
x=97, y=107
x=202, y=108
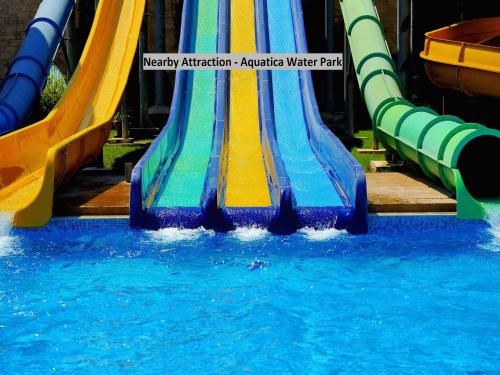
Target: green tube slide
x=462, y=155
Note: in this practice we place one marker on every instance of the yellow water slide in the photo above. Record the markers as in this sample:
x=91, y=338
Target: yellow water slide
x=465, y=56
x=38, y=158
x=246, y=175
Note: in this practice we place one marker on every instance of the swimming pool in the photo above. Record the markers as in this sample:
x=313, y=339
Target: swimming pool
x=107, y=299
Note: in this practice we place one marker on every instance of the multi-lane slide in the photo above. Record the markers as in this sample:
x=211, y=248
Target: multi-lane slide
x=252, y=160
x=35, y=159
x=208, y=156
x=28, y=71
x=206, y=167
x=465, y=56
x=459, y=154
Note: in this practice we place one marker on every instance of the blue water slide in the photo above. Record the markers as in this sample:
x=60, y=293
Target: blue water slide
x=28, y=72
x=151, y=174
x=328, y=186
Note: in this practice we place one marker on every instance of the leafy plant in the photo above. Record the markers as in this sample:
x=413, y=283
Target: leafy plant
x=53, y=91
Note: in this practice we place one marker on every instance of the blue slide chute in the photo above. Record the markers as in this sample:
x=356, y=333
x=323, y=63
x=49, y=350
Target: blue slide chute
x=28, y=72
x=328, y=185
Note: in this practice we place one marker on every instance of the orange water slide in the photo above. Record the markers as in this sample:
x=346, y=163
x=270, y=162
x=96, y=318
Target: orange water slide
x=465, y=56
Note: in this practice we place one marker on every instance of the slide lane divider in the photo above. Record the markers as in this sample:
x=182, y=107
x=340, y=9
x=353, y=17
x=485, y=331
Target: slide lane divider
x=215, y=182
x=285, y=219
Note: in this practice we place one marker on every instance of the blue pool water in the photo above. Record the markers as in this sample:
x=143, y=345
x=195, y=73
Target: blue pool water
x=113, y=300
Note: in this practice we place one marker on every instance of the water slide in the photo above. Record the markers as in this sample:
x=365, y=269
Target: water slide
x=328, y=185
x=206, y=167
x=36, y=159
x=227, y=168
x=168, y=183
x=28, y=72
x=445, y=147
x=465, y=56
x=207, y=160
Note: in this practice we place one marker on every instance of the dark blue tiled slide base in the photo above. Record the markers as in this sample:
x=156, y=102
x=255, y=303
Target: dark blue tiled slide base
x=324, y=217
x=377, y=223
x=181, y=217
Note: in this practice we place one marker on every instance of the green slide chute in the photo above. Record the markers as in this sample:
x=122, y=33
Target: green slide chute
x=183, y=186
x=460, y=154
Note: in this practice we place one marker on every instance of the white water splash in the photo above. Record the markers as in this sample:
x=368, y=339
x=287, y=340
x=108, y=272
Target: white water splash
x=320, y=234
x=6, y=240
x=167, y=235
x=249, y=234
x=493, y=217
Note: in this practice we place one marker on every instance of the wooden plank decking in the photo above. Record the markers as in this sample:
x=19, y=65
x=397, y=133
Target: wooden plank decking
x=387, y=193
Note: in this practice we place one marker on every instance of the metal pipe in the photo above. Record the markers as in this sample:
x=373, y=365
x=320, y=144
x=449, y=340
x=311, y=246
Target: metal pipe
x=124, y=116
x=71, y=44
x=159, y=47
x=330, y=48
x=142, y=78
x=348, y=89
x=404, y=42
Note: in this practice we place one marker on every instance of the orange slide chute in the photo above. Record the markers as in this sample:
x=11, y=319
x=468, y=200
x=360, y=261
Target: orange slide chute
x=465, y=56
x=38, y=158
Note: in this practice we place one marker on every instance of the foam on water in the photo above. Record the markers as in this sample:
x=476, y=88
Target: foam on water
x=249, y=234
x=179, y=234
x=6, y=240
x=493, y=217
x=5, y=223
x=320, y=234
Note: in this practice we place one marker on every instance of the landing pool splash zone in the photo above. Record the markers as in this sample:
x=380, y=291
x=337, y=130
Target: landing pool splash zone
x=77, y=297
x=196, y=61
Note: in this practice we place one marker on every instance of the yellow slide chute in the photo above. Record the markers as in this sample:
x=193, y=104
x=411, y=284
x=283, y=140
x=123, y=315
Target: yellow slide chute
x=38, y=158
x=246, y=175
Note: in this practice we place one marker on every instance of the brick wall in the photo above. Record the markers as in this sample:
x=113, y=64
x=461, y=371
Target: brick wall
x=387, y=10
x=14, y=17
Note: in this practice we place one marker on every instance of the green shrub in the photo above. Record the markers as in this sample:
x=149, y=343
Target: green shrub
x=53, y=91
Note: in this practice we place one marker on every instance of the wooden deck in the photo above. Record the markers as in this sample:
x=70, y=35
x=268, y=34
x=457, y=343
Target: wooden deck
x=95, y=195
x=398, y=192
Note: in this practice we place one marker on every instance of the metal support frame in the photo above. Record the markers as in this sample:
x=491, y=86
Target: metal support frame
x=330, y=48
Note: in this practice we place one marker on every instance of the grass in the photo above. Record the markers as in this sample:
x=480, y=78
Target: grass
x=367, y=142
x=116, y=155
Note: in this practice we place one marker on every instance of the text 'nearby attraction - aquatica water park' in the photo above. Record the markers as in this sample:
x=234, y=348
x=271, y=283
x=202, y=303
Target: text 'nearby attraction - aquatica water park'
x=249, y=186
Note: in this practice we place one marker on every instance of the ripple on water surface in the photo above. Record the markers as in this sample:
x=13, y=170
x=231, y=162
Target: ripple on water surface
x=195, y=301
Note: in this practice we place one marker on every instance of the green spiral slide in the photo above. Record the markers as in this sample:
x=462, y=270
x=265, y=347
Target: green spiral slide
x=462, y=155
